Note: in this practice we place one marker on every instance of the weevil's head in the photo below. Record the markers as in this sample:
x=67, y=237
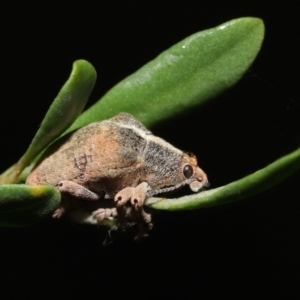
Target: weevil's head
x=184, y=171
x=194, y=176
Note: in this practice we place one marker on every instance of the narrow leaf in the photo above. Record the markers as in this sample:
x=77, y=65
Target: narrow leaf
x=66, y=107
x=250, y=185
x=23, y=205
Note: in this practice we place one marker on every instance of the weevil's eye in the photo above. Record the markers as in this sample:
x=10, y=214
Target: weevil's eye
x=188, y=171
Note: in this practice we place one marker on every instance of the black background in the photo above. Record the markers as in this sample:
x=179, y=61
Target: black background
x=246, y=249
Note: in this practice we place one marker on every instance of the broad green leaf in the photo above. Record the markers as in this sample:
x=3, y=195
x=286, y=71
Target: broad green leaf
x=66, y=107
x=186, y=75
x=237, y=190
x=23, y=205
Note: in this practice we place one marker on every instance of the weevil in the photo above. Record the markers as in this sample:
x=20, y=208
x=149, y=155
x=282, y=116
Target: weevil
x=117, y=159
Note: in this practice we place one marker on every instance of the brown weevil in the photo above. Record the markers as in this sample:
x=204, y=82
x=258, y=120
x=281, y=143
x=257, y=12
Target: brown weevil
x=116, y=159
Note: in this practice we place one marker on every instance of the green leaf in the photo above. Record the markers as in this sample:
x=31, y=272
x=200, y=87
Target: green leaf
x=66, y=107
x=186, y=75
x=23, y=205
x=237, y=190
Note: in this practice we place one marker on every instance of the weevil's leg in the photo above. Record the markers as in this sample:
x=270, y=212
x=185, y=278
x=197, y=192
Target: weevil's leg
x=103, y=213
x=76, y=190
x=136, y=196
x=124, y=196
x=144, y=226
x=147, y=219
x=139, y=195
x=101, y=216
x=71, y=192
x=59, y=212
x=67, y=203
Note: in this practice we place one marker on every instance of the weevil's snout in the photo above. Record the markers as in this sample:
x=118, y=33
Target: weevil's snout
x=200, y=180
x=196, y=177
